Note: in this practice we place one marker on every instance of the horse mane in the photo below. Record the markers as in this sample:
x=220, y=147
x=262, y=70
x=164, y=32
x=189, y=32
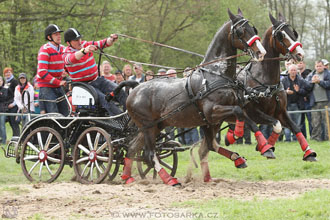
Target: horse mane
x=212, y=49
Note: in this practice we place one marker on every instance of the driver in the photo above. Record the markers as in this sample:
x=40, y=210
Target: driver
x=50, y=69
x=80, y=63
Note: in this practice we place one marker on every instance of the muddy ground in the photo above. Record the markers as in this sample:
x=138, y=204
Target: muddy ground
x=72, y=200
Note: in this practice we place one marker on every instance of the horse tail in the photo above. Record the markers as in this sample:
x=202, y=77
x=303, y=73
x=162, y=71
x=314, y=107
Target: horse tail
x=116, y=91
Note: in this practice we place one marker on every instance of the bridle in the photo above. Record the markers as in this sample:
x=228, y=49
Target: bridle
x=278, y=35
x=238, y=30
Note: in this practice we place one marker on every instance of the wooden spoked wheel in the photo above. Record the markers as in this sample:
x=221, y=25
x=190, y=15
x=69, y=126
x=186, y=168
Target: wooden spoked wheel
x=92, y=156
x=42, y=155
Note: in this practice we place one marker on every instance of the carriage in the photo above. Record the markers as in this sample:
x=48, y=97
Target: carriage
x=88, y=140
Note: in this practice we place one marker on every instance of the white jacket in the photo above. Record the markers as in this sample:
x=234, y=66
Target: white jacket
x=18, y=98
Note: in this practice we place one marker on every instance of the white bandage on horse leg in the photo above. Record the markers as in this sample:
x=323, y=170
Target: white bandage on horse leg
x=277, y=128
x=157, y=164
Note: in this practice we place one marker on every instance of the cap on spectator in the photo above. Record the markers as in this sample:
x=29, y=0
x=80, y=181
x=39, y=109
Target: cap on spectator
x=161, y=71
x=171, y=71
x=119, y=72
x=22, y=75
x=325, y=62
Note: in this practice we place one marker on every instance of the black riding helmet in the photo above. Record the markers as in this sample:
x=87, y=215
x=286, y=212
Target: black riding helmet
x=71, y=34
x=51, y=29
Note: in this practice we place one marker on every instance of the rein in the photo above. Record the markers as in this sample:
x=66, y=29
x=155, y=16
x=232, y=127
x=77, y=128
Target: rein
x=167, y=67
x=161, y=45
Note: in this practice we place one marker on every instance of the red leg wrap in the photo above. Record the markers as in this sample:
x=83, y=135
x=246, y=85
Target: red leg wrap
x=206, y=171
x=127, y=171
x=230, y=136
x=239, y=128
x=263, y=146
x=225, y=152
x=167, y=178
x=302, y=141
x=309, y=152
x=239, y=161
x=273, y=138
x=304, y=145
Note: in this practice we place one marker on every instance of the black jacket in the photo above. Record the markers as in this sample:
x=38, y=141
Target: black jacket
x=296, y=97
x=3, y=99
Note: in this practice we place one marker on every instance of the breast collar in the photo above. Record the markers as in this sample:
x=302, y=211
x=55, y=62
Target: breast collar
x=260, y=91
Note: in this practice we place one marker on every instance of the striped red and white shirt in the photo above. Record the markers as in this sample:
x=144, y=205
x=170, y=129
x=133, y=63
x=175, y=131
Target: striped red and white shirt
x=84, y=69
x=50, y=65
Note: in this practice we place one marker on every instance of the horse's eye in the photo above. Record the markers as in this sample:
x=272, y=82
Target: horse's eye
x=279, y=35
x=240, y=32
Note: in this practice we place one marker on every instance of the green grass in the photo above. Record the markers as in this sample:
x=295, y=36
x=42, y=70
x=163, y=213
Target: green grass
x=311, y=205
x=288, y=165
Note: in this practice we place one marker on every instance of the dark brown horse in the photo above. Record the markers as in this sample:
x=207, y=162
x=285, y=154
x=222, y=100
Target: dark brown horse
x=264, y=78
x=206, y=98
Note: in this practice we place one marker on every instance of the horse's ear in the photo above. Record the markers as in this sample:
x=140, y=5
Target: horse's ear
x=281, y=17
x=272, y=19
x=239, y=12
x=231, y=15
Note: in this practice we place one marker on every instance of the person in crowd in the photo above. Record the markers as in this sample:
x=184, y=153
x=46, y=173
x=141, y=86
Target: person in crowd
x=36, y=97
x=149, y=75
x=119, y=77
x=295, y=88
x=161, y=72
x=139, y=76
x=325, y=63
x=171, y=73
x=24, y=96
x=284, y=73
x=49, y=73
x=319, y=84
x=80, y=64
x=3, y=109
x=106, y=71
x=127, y=71
x=11, y=84
x=304, y=73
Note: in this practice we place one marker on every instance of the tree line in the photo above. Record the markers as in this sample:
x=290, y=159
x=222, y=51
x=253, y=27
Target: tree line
x=187, y=24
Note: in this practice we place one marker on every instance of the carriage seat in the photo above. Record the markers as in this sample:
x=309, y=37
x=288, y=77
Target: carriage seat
x=85, y=98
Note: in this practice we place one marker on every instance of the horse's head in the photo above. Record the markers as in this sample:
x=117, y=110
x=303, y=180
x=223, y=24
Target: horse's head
x=245, y=37
x=284, y=39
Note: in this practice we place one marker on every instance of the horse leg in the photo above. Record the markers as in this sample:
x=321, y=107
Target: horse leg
x=263, y=146
x=135, y=146
x=203, y=153
x=167, y=178
x=234, y=132
x=209, y=143
x=309, y=154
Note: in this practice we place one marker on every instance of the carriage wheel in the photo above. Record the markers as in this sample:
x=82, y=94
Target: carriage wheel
x=42, y=155
x=168, y=159
x=92, y=156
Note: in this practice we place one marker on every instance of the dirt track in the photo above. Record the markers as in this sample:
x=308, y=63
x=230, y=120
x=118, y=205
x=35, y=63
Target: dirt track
x=76, y=201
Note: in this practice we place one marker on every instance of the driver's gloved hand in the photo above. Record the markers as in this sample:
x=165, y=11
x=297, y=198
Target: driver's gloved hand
x=108, y=97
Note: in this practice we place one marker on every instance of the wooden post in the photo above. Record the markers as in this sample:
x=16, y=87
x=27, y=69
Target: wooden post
x=328, y=123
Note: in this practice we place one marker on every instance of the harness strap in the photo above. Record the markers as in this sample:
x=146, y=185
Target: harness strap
x=193, y=98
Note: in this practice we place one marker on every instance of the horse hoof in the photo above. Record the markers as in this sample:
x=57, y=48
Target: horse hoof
x=240, y=162
x=243, y=165
x=310, y=158
x=269, y=154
